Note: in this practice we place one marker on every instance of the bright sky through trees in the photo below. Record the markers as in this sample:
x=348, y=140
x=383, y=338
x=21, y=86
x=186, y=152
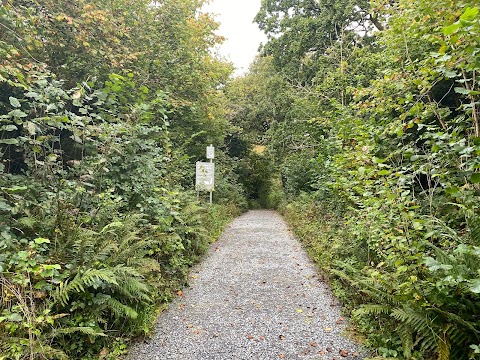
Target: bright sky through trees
x=243, y=36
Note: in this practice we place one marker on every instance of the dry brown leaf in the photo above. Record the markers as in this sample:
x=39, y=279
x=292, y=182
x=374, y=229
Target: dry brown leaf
x=343, y=353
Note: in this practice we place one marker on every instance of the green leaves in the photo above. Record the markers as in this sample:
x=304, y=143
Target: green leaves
x=17, y=113
x=465, y=19
x=474, y=286
x=14, y=102
x=469, y=14
x=448, y=30
x=464, y=91
x=475, y=178
x=9, y=141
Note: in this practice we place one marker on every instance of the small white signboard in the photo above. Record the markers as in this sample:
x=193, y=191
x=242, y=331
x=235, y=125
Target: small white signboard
x=205, y=176
x=210, y=152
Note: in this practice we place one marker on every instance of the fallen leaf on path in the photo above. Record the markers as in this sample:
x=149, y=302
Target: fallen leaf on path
x=356, y=354
x=249, y=337
x=314, y=344
x=281, y=337
x=281, y=356
x=180, y=293
x=343, y=353
x=328, y=329
x=299, y=310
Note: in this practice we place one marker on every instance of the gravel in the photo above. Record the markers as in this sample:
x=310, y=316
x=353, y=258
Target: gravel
x=256, y=295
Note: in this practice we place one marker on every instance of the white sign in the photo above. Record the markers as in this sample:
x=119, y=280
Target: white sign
x=205, y=176
x=210, y=152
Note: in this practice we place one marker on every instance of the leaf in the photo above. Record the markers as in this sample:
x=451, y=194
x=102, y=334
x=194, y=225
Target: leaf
x=14, y=102
x=434, y=265
x=450, y=74
x=33, y=95
x=14, y=317
x=9, y=141
x=42, y=241
x=31, y=128
x=17, y=113
x=4, y=206
x=475, y=286
x=462, y=90
x=15, y=189
x=475, y=178
x=9, y=128
x=469, y=14
x=448, y=30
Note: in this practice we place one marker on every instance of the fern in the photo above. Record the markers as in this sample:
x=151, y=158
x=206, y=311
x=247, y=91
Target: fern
x=473, y=222
x=78, y=329
x=443, y=348
x=135, y=289
x=405, y=334
x=46, y=351
x=427, y=331
x=82, y=281
x=120, y=310
x=373, y=309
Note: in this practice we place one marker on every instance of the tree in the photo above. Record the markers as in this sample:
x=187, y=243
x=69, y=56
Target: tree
x=301, y=31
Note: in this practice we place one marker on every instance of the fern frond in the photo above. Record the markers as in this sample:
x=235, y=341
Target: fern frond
x=473, y=327
x=82, y=280
x=112, y=227
x=473, y=223
x=372, y=309
x=125, y=271
x=92, y=276
x=443, y=348
x=119, y=309
x=46, y=351
x=405, y=333
x=80, y=329
x=145, y=265
x=134, y=289
x=106, y=251
x=427, y=331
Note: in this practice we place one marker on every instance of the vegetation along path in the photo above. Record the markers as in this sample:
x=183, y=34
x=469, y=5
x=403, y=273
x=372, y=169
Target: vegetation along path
x=255, y=296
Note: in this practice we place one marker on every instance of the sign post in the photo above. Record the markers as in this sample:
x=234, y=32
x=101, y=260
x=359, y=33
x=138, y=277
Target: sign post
x=205, y=174
x=210, y=152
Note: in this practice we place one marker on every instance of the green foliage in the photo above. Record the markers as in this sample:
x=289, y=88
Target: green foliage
x=97, y=225
x=379, y=155
x=301, y=31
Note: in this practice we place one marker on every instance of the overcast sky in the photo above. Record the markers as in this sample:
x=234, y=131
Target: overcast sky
x=243, y=36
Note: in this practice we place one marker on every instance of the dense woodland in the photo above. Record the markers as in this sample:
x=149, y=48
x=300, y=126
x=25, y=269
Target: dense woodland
x=359, y=121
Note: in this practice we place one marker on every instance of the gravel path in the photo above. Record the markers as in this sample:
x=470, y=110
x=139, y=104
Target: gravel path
x=255, y=296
